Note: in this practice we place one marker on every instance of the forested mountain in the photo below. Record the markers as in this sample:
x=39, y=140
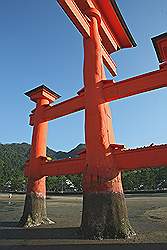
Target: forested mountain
x=13, y=156
x=12, y=159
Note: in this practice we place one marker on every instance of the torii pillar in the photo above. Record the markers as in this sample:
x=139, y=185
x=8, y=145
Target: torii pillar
x=104, y=208
x=34, y=212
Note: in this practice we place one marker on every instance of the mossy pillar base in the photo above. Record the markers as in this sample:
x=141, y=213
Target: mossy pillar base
x=34, y=213
x=105, y=216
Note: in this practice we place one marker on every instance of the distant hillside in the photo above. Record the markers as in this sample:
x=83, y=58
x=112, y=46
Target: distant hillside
x=13, y=157
x=62, y=155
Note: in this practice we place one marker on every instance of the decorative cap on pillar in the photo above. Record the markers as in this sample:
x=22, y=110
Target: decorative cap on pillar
x=42, y=92
x=93, y=12
x=160, y=45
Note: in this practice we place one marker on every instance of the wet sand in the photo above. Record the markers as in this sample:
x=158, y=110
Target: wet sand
x=147, y=214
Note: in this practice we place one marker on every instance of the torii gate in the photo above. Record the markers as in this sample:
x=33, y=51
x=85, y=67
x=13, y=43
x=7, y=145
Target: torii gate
x=104, y=209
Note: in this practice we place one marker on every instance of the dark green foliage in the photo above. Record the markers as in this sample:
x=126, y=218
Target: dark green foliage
x=58, y=183
x=145, y=179
x=13, y=157
x=76, y=180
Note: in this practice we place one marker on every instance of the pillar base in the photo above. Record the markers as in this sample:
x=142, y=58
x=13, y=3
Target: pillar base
x=105, y=216
x=34, y=213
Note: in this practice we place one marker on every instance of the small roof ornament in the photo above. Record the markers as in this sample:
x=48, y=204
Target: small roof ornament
x=160, y=45
x=42, y=92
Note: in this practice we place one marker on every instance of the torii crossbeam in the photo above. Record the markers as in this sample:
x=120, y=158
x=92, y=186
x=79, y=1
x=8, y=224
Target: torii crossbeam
x=103, y=160
x=125, y=159
x=110, y=90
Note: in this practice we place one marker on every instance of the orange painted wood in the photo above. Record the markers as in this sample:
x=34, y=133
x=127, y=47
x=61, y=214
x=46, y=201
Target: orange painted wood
x=147, y=157
x=83, y=26
x=36, y=182
x=98, y=122
x=120, y=32
x=108, y=62
x=135, y=85
x=63, y=167
x=118, y=157
x=108, y=39
x=69, y=106
x=64, y=108
x=114, y=35
x=39, y=139
x=110, y=91
x=37, y=185
x=78, y=18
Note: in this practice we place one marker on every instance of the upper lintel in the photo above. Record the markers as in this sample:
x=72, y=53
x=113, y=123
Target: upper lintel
x=125, y=42
x=114, y=31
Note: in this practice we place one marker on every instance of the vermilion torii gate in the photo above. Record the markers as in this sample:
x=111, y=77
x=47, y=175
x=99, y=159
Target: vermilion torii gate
x=104, y=210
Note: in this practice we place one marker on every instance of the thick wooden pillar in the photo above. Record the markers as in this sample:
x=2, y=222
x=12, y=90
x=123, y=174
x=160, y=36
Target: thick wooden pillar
x=104, y=208
x=34, y=212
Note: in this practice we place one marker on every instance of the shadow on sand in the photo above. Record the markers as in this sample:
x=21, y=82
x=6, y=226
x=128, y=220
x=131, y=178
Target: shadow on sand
x=9, y=230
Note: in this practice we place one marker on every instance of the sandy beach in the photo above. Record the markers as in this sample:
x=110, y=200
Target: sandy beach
x=147, y=214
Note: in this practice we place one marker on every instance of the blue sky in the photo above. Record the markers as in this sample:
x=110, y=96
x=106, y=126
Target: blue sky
x=39, y=45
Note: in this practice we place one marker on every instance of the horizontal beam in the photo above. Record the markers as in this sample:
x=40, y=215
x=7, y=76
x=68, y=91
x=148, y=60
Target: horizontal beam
x=135, y=85
x=64, y=108
x=111, y=91
x=79, y=20
x=63, y=167
x=61, y=109
x=124, y=160
x=148, y=157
